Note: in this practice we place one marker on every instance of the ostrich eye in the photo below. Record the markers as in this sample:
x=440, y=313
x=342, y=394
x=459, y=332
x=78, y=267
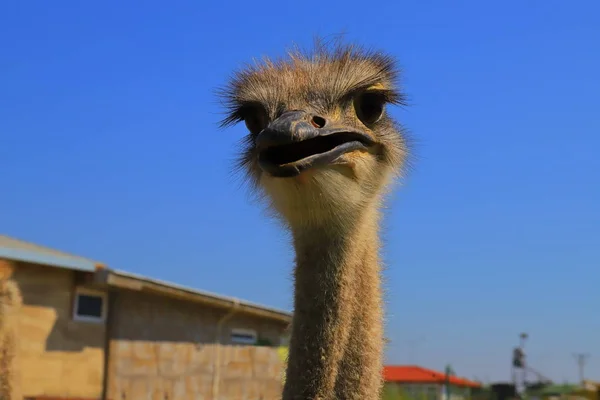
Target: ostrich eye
x=255, y=117
x=369, y=107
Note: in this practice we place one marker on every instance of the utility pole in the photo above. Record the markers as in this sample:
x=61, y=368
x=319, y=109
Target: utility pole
x=519, y=367
x=581, y=359
x=523, y=337
x=448, y=371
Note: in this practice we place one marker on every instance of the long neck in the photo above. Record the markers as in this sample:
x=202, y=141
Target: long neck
x=336, y=342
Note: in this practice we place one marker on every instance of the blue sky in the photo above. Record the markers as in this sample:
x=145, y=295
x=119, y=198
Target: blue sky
x=109, y=149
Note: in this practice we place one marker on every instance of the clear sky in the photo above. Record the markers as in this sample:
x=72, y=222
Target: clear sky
x=109, y=149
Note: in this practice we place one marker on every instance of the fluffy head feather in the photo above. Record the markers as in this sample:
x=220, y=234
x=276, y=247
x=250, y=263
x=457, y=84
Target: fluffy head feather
x=326, y=82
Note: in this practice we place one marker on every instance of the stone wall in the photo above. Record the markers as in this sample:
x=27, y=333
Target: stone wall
x=184, y=371
x=166, y=349
x=58, y=357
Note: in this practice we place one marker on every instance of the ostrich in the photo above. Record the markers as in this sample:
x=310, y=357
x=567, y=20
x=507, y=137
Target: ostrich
x=322, y=152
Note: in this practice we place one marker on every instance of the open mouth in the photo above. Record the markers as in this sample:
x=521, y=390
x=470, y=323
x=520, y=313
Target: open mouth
x=290, y=159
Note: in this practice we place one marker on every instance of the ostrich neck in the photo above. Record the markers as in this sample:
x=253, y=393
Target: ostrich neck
x=336, y=342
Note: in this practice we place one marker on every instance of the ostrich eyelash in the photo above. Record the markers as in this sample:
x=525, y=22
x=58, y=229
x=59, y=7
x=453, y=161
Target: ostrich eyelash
x=239, y=112
x=386, y=95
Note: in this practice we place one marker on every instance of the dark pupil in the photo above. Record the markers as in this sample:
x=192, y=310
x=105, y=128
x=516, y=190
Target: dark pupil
x=371, y=106
x=253, y=123
x=255, y=119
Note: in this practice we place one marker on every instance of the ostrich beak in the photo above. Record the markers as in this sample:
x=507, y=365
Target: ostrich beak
x=297, y=141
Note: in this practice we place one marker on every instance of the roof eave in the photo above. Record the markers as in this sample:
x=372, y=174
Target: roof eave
x=432, y=381
x=125, y=280
x=34, y=257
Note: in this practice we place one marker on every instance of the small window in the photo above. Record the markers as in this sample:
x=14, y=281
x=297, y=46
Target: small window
x=244, y=336
x=89, y=305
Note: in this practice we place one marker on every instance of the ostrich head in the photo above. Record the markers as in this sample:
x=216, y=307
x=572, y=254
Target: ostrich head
x=320, y=144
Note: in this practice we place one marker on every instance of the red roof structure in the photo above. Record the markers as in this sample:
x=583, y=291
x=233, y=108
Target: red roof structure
x=415, y=374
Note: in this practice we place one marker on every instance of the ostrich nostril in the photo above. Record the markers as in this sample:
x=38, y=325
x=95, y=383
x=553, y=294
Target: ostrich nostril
x=318, y=122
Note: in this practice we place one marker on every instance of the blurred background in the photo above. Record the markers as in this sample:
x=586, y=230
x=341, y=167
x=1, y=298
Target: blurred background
x=109, y=149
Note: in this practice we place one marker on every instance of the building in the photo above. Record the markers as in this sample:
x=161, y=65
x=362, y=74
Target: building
x=71, y=328
x=410, y=381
